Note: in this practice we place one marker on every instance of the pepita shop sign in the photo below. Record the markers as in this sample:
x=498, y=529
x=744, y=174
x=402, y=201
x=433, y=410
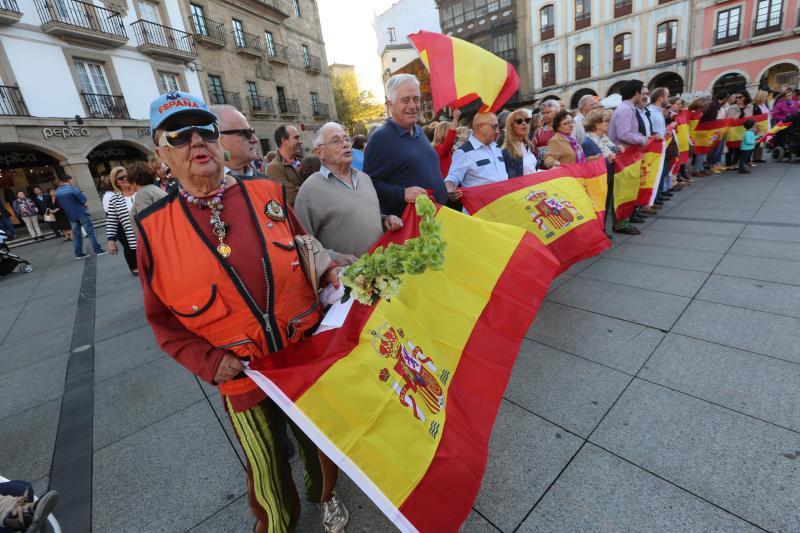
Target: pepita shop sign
x=65, y=132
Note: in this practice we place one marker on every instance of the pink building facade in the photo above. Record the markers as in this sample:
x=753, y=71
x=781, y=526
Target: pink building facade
x=752, y=44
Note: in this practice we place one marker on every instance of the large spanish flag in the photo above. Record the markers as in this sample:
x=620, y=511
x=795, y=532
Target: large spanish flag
x=627, y=177
x=707, y=135
x=404, y=395
x=462, y=72
x=552, y=205
x=736, y=129
x=652, y=166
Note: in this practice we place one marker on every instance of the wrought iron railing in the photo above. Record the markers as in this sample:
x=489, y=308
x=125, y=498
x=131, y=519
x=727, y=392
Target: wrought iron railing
x=321, y=110
x=219, y=97
x=11, y=102
x=9, y=5
x=312, y=63
x=261, y=104
x=80, y=14
x=105, y=105
x=150, y=33
x=246, y=41
x=208, y=28
x=278, y=52
x=289, y=106
x=509, y=55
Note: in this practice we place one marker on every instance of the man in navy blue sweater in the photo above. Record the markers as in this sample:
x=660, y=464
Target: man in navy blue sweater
x=399, y=158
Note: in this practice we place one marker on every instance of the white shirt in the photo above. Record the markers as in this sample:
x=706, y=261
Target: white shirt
x=107, y=198
x=657, y=120
x=475, y=163
x=577, y=131
x=528, y=160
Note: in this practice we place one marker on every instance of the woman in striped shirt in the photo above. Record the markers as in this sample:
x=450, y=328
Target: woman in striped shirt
x=118, y=218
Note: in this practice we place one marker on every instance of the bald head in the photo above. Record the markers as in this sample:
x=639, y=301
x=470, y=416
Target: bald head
x=485, y=127
x=228, y=117
x=241, y=142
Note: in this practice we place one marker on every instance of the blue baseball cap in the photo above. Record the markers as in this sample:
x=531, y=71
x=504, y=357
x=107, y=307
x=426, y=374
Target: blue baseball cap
x=177, y=103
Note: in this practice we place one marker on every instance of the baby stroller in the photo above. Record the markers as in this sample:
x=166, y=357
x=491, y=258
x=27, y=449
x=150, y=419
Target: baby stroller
x=8, y=261
x=786, y=143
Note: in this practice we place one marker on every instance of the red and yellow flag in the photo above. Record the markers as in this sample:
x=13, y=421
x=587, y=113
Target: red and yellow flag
x=404, y=394
x=594, y=178
x=652, y=166
x=708, y=135
x=774, y=130
x=736, y=129
x=683, y=129
x=627, y=177
x=553, y=205
x=462, y=72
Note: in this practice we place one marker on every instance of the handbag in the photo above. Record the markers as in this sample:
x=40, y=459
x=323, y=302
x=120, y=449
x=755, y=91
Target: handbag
x=49, y=216
x=312, y=259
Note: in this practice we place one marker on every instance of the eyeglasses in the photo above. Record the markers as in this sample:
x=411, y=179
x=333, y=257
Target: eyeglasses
x=183, y=136
x=339, y=141
x=493, y=126
x=520, y=121
x=247, y=133
x=122, y=178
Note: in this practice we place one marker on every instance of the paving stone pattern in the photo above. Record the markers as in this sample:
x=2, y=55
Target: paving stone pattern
x=656, y=390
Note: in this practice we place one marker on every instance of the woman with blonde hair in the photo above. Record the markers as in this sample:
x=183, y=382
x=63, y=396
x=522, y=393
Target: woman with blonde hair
x=518, y=151
x=118, y=218
x=760, y=107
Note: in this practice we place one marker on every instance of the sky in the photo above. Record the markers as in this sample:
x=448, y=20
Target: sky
x=350, y=38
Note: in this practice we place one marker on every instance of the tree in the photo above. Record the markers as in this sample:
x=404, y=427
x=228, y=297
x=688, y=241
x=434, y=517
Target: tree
x=354, y=108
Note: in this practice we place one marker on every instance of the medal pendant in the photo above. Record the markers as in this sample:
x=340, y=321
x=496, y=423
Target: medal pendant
x=224, y=250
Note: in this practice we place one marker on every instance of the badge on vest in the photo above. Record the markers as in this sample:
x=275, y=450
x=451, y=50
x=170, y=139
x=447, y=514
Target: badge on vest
x=274, y=210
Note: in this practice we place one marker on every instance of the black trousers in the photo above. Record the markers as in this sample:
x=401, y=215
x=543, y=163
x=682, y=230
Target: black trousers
x=128, y=252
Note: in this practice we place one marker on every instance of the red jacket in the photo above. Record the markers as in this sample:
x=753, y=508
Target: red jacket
x=445, y=151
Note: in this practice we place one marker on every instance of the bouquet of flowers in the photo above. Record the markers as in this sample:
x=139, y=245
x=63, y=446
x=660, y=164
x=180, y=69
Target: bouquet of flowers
x=377, y=275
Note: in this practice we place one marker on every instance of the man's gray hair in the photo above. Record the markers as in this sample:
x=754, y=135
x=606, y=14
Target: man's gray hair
x=585, y=99
x=218, y=109
x=320, y=135
x=555, y=104
x=395, y=81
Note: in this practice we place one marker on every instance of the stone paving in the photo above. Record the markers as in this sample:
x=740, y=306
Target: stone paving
x=657, y=389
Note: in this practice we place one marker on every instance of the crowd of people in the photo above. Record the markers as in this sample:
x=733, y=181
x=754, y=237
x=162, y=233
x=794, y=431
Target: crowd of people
x=212, y=228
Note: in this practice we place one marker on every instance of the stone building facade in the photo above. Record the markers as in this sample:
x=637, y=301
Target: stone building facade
x=267, y=58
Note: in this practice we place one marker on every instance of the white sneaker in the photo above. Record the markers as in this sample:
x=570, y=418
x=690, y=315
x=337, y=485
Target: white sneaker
x=334, y=515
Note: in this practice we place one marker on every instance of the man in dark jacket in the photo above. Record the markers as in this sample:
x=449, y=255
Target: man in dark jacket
x=399, y=158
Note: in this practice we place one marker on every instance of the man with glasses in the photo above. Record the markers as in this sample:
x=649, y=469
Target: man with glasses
x=221, y=287
x=237, y=138
x=338, y=204
x=285, y=167
x=479, y=160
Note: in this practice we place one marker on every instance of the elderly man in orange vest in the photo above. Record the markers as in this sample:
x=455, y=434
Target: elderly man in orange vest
x=223, y=286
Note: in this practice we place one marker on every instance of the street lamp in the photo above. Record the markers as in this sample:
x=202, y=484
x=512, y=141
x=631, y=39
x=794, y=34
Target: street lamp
x=77, y=120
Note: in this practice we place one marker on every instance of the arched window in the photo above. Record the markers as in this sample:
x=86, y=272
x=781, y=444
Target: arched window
x=666, y=40
x=583, y=14
x=583, y=61
x=622, y=51
x=547, y=22
x=548, y=70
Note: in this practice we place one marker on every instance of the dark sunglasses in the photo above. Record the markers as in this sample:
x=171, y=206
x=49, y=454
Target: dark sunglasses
x=247, y=133
x=183, y=136
x=122, y=178
x=519, y=121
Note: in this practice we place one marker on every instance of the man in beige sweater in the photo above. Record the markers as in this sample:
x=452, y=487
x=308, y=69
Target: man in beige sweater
x=338, y=205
